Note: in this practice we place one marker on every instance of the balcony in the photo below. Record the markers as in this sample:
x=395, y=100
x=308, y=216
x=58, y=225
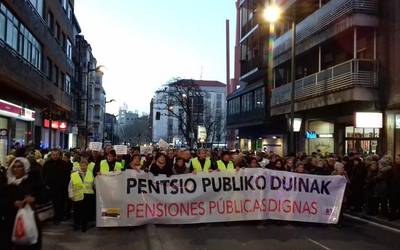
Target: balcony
x=350, y=74
x=323, y=24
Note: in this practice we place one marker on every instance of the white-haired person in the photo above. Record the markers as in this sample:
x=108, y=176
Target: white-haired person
x=21, y=189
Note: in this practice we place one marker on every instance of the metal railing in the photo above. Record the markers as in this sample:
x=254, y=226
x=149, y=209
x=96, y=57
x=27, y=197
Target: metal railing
x=349, y=74
x=322, y=18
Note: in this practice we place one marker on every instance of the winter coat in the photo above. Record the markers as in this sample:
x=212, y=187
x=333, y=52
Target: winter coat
x=56, y=175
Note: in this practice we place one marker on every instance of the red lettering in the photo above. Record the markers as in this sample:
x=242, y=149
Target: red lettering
x=211, y=205
x=286, y=206
x=245, y=207
x=314, y=208
x=139, y=210
x=201, y=208
x=306, y=207
x=270, y=203
x=130, y=209
x=193, y=208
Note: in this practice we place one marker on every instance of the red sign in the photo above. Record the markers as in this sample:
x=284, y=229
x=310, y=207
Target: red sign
x=55, y=124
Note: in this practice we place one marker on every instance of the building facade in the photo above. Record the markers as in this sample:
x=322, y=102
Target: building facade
x=37, y=72
x=248, y=105
x=340, y=45
x=110, y=130
x=90, y=95
x=208, y=113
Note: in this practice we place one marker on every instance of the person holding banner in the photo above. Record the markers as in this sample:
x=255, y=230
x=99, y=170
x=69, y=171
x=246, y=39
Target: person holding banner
x=81, y=192
x=179, y=166
x=135, y=163
x=202, y=163
x=160, y=165
x=110, y=164
x=226, y=163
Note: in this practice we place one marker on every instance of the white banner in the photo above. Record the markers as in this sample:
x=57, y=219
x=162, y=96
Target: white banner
x=121, y=149
x=95, y=146
x=132, y=198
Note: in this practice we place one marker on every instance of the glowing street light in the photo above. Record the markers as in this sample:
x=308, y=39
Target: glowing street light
x=272, y=13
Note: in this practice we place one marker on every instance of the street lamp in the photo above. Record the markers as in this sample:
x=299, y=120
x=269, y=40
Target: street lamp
x=89, y=70
x=272, y=14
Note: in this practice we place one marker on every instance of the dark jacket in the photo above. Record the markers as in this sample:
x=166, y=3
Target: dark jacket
x=56, y=175
x=156, y=170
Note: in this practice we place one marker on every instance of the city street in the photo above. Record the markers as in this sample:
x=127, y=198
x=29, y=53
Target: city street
x=241, y=235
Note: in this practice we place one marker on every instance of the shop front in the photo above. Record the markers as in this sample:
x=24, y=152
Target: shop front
x=16, y=127
x=319, y=137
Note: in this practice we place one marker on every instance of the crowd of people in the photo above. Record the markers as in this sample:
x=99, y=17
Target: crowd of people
x=66, y=178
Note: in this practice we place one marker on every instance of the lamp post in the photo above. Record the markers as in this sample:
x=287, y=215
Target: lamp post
x=272, y=14
x=89, y=70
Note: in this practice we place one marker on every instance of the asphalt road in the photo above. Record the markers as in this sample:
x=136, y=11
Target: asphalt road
x=223, y=236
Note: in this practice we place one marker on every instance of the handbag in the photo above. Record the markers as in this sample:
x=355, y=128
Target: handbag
x=45, y=211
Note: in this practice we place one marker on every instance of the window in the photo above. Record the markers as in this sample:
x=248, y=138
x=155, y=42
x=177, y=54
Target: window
x=38, y=5
x=259, y=98
x=64, y=42
x=64, y=4
x=57, y=31
x=69, y=49
x=247, y=102
x=29, y=47
x=62, y=81
x=67, y=88
x=2, y=26
x=56, y=75
x=18, y=37
x=49, y=69
x=70, y=11
x=50, y=21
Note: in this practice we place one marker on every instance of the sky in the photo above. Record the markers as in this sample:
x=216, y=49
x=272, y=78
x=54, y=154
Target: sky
x=145, y=43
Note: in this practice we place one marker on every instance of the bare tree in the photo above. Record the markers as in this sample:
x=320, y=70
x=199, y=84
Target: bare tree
x=185, y=102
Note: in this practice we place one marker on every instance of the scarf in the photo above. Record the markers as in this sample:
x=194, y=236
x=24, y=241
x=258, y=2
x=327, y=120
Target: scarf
x=11, y=179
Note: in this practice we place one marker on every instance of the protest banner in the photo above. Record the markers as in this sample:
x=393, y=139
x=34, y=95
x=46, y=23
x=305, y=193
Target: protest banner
x=95, y=146
x=132, y=198
x=145, y=150
x=121, y=149
x=163, y=144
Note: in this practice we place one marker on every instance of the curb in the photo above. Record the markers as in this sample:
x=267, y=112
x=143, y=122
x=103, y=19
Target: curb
x=153, y=238
x=386, y=225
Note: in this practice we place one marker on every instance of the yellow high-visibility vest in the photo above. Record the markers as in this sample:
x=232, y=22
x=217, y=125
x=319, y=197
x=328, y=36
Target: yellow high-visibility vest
x=222, y=167
x=91, y=166
x=105, y=168
x=79, y=187
x=75, y=166
x=197, y=165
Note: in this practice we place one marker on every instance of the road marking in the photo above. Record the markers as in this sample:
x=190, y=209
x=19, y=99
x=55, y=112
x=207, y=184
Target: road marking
x=318, y=244
x=373, y=223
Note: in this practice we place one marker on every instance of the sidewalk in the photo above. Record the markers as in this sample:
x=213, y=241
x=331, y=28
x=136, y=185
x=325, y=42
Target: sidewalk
x=375, y=220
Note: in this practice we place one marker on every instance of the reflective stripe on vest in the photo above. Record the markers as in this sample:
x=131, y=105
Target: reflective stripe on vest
x=105, y=168
x=222, y=167
x=197, y=165
x=80, y=188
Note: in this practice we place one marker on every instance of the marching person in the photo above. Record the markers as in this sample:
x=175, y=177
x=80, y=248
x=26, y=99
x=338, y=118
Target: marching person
x=201, y=163
x=136, y=163
x=81, y=192
x=22, y=189
x=160, y=165
x=225, y=164
x=56, y=178
x=179, y=166
x=110, y=164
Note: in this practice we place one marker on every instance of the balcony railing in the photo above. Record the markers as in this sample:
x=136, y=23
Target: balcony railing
x=362, y=73
x=323, y=18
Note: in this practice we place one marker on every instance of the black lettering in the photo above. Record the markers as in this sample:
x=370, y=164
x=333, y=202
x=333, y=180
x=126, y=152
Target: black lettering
x=314, y=187
x=324, y=187
x=285, y=186
x=277, y=185
x=264, y=182
x=142, y=186
x=303, y=185
x=193, y=186
x=164, y=183
x=227, y=183
x=248, y=184
x=154, y=186
x=234, y=185
x=206, y=183
x=174, y=187
x=131, y=183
